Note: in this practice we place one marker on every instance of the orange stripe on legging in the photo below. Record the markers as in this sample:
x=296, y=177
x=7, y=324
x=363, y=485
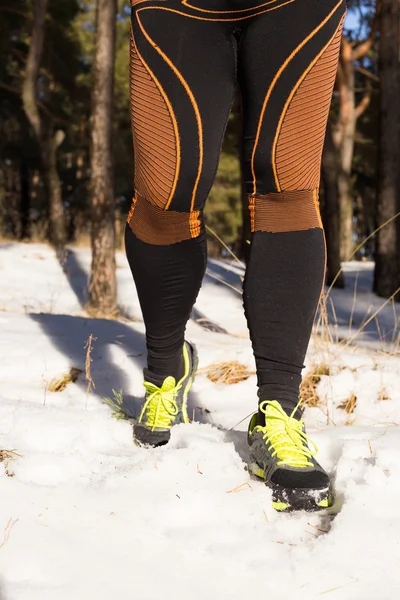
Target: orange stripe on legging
x=288, y=101
x=134, y=2
x=243, y=10
x=228, y=20
x=275, y=79
x=173, y=118
x=194, y=104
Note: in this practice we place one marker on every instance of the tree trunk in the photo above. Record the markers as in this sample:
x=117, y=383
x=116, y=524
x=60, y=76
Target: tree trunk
x=103, y=287
x=47, y=144
x=387, y=269
x=344, y=134
x=330, y=209
x=346, y=147
x=25, y=201
x=346, y=216
x=53, y=185
x=32, y=67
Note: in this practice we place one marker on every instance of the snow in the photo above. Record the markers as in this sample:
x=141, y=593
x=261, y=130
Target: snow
x=88, y=514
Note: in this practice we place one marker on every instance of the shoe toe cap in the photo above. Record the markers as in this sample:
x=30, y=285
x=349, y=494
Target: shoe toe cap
x=147, y=437
x=299, y=478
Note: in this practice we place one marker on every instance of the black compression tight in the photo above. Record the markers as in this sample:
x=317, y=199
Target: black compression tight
x=186, y=57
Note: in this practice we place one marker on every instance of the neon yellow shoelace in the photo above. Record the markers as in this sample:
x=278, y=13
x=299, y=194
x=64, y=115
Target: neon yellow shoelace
x=160, y=407
x=285, y=436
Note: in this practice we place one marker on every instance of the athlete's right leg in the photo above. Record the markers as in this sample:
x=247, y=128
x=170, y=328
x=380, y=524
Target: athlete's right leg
x=183, y=73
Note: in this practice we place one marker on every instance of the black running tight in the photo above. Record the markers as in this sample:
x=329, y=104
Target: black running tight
x=186, y=57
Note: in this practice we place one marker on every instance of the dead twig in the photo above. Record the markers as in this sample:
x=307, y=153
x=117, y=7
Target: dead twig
x=317, y=528
x=225, y=246
x=7, y=531
x=88, y=362
x=240, y=488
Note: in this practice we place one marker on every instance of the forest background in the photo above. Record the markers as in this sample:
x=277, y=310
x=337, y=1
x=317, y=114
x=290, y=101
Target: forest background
x=66, y=157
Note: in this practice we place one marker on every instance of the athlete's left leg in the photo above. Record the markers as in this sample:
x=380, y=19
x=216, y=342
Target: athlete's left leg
x=287, y=67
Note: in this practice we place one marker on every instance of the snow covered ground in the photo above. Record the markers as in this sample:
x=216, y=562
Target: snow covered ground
x=85, y=514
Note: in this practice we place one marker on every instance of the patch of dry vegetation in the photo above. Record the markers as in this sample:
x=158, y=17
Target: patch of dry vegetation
x=383, y=394
x=227, y=372
x=58, y=384
x=349, y=404
x=5, y=457
x=308, y=388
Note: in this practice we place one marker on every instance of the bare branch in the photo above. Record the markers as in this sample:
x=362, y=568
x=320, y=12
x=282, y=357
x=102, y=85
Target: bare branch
x=367, y=73
x=43, y=107
x=364, y=103
x=364, y=46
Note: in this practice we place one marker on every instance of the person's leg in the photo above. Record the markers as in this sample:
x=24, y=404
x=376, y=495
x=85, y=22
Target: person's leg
x=287, y=67
x=183, y=73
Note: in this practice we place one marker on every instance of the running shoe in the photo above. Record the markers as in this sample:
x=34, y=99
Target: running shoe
x=166, y=406
x=283, y=456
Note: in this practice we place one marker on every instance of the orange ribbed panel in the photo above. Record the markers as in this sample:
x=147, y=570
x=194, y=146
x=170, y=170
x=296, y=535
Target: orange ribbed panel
x=156, y=226
x=285, y=211
x=301, y=139
x=153, y=135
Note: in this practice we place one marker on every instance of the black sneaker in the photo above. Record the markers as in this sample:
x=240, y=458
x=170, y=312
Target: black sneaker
x=166, y=406
x=280, y=455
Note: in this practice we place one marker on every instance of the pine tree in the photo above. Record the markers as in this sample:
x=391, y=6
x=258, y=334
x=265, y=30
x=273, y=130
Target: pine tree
x=387, y=271
x=103, y=288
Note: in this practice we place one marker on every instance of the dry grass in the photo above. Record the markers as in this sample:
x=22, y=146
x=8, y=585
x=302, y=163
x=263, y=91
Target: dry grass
x=308, y=388
x=220, y=280
x=349, y=404
x=6, y=456
x=327, y=333
x=348, y=342
x=395, y=341
x=88, y=363
x=322, y=327
x=95, y=313
x=243, y=486
x=58, y=384
x=221, y=241
x=227, y=372
x=7, y=531
x=383, y=394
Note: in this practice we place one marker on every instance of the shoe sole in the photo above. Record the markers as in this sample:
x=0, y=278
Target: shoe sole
x=298, y=499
